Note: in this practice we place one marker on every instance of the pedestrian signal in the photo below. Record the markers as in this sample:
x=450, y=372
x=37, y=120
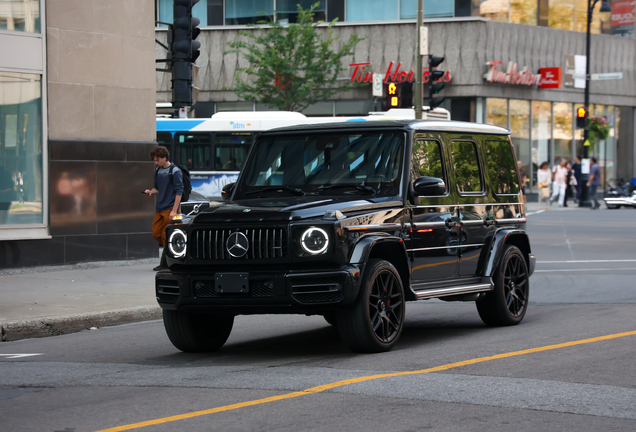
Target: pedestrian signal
x=581, y=117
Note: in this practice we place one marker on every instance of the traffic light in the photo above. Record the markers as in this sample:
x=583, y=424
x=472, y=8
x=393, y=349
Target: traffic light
x=399, y=95
x=581, y=117
x=435, y=86
x=393, y=96
x=184, y=50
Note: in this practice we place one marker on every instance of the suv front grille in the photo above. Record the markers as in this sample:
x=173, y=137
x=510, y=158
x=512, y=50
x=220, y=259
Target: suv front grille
x=263, y=243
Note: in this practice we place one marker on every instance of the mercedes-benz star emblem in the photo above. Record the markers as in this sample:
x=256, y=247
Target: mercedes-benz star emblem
x=237, y=244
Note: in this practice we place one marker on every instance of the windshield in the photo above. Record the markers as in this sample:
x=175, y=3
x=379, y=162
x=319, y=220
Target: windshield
x=324, y=164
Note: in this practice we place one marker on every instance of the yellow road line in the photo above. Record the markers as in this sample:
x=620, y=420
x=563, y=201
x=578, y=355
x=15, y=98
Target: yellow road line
x=342, y=383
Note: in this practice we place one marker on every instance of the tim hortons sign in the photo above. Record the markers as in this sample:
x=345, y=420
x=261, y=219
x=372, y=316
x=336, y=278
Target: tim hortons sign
x=550, y=77
x=512, y=75
x=362, y=75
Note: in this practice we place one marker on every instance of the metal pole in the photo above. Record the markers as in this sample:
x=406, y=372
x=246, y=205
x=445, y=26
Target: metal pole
x=419, y=88
x=585, y=201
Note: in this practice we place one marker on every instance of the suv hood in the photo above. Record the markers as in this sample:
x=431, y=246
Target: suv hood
x=267, y=210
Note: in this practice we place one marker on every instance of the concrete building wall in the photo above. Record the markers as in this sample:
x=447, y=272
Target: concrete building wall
x=467, y=45
x=101, y=92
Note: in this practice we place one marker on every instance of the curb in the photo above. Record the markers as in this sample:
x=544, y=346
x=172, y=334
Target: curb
x=17, y=330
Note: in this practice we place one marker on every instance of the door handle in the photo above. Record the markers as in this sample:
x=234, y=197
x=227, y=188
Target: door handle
x=450, y=223
x=490, y=222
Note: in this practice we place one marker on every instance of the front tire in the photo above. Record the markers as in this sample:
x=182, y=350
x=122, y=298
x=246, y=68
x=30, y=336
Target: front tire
x=374, y=322
x=507, y=303
x=197, y=333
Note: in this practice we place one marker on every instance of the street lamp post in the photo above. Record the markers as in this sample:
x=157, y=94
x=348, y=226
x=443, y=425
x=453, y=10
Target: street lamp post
x=584, y=200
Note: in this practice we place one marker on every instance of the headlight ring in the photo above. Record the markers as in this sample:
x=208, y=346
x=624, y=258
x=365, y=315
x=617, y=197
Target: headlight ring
x=314, y=240
x=178, y=243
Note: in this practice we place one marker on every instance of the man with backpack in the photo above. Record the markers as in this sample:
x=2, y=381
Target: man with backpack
x=169, y=188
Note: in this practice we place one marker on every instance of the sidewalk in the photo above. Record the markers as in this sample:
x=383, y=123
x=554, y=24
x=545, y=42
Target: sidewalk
x=48, y=301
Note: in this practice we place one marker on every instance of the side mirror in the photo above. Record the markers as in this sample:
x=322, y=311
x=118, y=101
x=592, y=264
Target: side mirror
x=227, y=191
x=429, y=186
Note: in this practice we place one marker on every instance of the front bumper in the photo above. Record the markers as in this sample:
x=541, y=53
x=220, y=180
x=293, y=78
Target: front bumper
x=268, y=291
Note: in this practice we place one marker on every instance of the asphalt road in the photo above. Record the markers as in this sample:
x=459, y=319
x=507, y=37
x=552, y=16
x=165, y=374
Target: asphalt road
x=569, y=365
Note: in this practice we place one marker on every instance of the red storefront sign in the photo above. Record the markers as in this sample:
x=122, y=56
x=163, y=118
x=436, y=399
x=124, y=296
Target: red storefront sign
x=623, y=13
x=361, y=74
x=512, y=75
x=550, y=77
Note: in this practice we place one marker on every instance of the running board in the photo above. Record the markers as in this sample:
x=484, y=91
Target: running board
x=443, y=292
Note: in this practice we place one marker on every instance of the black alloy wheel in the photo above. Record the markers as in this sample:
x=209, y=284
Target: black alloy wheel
x=375, y=321
x=508, y=302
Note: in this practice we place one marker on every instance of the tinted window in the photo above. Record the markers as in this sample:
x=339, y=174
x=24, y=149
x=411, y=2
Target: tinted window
x=427, y=160
x=327, y=164
x=500, y=164
x=194, y=150
x=466, y=166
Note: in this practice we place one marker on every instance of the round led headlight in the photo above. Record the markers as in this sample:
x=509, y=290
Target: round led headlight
x=178, y=243
x=314, y=241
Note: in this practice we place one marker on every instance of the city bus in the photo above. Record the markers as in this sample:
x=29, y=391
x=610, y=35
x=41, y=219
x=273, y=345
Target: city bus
x=214, y=149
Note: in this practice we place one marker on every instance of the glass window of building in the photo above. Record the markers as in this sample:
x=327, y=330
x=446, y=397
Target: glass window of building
x=541, y=135
x=165, y=11
x=561, y=14
x=22, y=16
x=496, y=10
x=523, y=12
x=562, y=134
x=497, y=112
x=287, y=10
x=247, y=11
x=432, y=9
x=21, y=183
x=520, y=130
x=372, y=10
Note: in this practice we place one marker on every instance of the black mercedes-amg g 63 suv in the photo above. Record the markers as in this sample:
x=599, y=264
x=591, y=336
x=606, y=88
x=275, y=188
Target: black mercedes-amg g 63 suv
x=350, y=221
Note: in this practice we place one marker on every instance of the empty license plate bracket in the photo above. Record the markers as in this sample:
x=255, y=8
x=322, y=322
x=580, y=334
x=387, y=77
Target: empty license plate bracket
x=232, y=283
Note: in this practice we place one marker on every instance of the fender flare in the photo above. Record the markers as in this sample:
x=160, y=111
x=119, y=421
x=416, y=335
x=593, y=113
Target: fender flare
x=500, y=239
x=363, y=249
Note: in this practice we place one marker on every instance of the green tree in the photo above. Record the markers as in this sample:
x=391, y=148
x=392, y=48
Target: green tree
x=291, y=66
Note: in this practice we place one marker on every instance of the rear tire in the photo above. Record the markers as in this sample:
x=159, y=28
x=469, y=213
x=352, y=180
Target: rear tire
x=374, y=322
x=197, y=333
x=507, y=303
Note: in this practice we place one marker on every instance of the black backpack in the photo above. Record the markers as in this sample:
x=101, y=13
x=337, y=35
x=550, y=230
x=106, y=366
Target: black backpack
x=187, y=184
x=185, y=178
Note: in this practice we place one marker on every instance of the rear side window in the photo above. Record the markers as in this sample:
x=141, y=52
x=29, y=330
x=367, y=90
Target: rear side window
x=466, y=166
x=500, y=164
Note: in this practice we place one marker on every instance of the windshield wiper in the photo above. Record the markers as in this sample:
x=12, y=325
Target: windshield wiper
x=361, y=187
x=297, y=191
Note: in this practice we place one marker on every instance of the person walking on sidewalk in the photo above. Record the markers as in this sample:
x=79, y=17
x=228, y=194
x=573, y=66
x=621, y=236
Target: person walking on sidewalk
x=594, y=182
x=559, y=176
x=576, y=168
x=544, y=178
x=168, y=186
x=570, y=183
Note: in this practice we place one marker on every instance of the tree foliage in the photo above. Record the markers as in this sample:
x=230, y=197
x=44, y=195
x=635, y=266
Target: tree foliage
x=291, y=66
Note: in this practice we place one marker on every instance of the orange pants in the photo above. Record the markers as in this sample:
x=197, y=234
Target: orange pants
x=159, y=224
